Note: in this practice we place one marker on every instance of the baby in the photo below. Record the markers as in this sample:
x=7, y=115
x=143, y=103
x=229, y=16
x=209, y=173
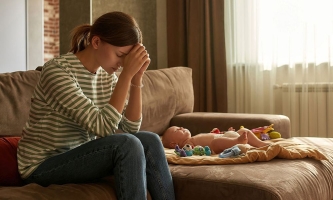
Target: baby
x=217, y=142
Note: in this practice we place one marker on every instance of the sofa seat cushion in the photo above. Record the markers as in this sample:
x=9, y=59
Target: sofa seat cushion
x=277, y=179
x=102, y=189
x=9, y=175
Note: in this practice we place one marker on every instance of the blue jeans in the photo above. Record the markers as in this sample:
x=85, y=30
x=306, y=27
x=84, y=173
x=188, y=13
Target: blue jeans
x=137, y=162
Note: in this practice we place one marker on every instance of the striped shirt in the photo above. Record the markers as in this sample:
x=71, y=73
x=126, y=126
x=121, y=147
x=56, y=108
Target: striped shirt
x=69, y=107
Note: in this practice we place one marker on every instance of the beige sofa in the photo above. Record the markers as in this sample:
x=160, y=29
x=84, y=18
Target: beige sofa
x=168, y=99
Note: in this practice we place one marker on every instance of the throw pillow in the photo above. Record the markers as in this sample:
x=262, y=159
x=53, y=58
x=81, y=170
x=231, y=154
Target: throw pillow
x=9, y=175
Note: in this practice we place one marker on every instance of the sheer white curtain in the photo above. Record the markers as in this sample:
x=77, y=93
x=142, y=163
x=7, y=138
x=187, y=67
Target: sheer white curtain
x=280, y=61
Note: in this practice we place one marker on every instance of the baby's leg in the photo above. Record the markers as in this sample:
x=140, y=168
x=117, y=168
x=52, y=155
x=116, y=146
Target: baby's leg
x=252, y=138
x=220, y=144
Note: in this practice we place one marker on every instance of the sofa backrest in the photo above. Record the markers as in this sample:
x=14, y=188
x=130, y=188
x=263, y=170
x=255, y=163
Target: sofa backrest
x=16, y=89
x=166, y=93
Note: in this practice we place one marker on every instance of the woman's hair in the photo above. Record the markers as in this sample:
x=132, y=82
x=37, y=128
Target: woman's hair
x=116, y=28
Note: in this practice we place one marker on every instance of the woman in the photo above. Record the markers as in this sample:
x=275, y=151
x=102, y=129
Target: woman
x=78, y=99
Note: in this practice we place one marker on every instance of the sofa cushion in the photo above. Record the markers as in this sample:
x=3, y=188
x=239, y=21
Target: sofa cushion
x=166, y=93
x=277, y=179
x=16, y=89
x=9, y=175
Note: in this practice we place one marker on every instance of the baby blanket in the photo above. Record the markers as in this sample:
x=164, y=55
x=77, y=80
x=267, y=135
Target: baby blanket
x=280, y=148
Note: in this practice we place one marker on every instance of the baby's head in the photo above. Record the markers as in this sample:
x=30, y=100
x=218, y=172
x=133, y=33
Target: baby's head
x=175, y=136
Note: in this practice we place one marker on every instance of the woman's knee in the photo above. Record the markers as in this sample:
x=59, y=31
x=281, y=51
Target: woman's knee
x=132, y=142
x=147, y=136
x=149, y=140
x=124, y=141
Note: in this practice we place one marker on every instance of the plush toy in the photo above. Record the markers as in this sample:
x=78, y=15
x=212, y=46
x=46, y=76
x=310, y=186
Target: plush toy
x=188, y=149
x=180, y=152
x=208, y=152
x=199, y=150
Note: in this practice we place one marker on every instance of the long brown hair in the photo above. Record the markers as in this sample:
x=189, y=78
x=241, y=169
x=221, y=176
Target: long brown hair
x=116, y=28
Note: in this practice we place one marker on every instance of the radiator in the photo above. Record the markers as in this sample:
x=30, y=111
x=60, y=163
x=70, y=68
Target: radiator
x=310, y=109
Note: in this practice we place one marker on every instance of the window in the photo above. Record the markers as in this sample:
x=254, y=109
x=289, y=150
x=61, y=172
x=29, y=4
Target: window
x=279, y=32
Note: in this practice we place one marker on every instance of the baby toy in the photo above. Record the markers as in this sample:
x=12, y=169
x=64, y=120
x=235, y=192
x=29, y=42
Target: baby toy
x=230, y=152
x=208, y=152
x=198, y=150
x=216, y=130
x=188, y=149
x=261, y=132
x=180, y=152
x=264, y=136
x=264, y=133
x=274, y=135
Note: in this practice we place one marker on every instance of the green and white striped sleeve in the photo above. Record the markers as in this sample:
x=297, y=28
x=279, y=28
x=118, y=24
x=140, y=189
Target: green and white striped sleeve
x=63, y=94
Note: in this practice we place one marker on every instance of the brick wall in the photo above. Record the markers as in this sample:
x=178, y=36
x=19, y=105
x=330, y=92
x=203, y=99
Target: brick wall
x=51, y=29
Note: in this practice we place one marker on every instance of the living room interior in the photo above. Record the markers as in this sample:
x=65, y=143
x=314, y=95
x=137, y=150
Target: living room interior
x=231, y=72
x=300, y=89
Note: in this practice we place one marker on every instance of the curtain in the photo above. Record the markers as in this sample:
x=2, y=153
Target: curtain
x=195, y=30
x=280, y=61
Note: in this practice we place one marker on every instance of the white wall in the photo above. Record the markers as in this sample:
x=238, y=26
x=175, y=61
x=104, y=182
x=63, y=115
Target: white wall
x=12, y=35
x=21, y=35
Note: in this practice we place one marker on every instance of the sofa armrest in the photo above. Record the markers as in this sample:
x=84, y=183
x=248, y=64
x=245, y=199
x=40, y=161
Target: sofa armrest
x=204, y=122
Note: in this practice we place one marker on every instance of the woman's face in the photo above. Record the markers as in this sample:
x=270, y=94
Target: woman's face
x=110, y=57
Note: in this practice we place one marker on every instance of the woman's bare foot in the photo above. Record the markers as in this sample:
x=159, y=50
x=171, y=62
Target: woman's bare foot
x=242, y=139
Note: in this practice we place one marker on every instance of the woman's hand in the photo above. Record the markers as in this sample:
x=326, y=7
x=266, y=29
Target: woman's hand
x=134, y=64
x=144, y=66
x=137, y=78
x=136, y=61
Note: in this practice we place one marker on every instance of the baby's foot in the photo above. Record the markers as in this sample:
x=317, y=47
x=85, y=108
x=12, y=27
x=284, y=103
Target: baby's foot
x=242, y=139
